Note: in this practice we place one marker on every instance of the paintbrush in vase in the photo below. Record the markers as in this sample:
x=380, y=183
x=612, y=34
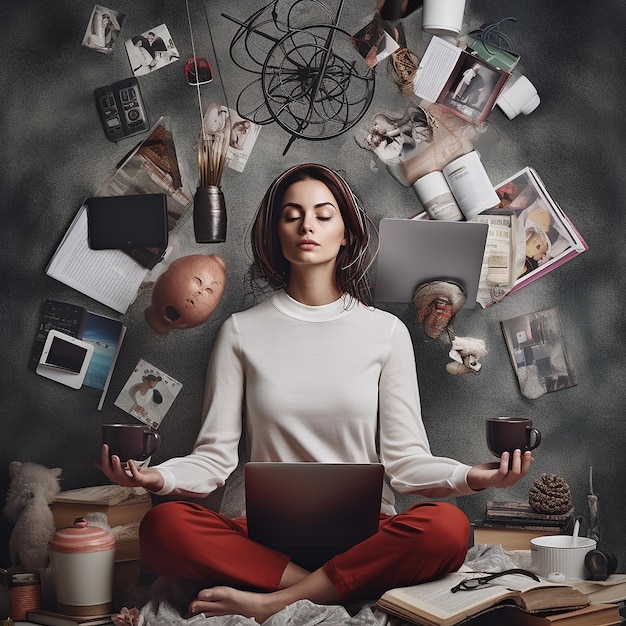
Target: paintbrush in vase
x=209, y=209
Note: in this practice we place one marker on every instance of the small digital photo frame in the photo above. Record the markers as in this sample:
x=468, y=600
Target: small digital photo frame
x=65, y=359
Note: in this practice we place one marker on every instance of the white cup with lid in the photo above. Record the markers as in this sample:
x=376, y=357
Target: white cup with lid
x=443, y=17
x=518, y=96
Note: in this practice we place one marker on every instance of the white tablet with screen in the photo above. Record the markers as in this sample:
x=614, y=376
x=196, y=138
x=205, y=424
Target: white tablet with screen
x=65, y=359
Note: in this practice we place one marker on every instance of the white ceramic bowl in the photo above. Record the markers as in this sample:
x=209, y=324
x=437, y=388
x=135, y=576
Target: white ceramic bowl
x=558, y=554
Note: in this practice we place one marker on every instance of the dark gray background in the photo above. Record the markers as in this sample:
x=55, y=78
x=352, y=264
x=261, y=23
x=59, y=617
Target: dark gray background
x=55, y=155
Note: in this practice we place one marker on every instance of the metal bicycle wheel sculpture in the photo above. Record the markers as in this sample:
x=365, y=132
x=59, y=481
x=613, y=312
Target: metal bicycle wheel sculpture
x=312, y=82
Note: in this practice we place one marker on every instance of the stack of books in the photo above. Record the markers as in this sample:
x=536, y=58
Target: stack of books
x=124, y=507
x=513, y=524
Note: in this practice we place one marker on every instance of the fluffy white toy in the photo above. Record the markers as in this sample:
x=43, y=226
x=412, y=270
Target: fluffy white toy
x=465, y=354
x=32, y=489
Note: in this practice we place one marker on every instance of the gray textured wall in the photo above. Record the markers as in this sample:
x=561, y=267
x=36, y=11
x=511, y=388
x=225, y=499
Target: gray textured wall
x=55, y=155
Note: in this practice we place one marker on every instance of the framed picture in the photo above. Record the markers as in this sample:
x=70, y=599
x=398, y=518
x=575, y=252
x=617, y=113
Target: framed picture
x=472, y=88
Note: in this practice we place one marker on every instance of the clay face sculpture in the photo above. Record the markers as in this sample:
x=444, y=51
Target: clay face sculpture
x=187, y=293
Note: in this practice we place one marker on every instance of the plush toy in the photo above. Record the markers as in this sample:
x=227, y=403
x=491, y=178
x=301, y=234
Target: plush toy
x=32, y=489
x=465, y=354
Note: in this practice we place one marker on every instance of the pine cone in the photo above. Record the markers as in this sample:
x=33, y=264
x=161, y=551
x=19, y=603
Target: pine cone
x=550, y=494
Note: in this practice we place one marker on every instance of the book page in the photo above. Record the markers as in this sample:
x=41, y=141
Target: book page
x=101, y=494
x=495, y=273
x=470, y=185
x=435, y=601
x=108, y=276
x=435, y=69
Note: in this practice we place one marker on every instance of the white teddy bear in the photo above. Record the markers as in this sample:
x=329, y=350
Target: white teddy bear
x=32, y=489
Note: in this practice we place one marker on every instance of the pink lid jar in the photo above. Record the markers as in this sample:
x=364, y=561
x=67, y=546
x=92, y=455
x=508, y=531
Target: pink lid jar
x=82, y=558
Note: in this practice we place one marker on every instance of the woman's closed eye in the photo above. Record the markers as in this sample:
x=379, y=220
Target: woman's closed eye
x=295, y=218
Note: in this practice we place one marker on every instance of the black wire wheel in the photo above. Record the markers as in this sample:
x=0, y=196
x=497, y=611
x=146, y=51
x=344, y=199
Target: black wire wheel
x=315, y=85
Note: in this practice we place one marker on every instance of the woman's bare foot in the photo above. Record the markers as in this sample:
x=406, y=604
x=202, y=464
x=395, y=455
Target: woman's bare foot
x=229, y=601
x=215, y=601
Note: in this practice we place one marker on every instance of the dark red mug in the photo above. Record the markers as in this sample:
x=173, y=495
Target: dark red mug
x=506, y=434
x=130, y=441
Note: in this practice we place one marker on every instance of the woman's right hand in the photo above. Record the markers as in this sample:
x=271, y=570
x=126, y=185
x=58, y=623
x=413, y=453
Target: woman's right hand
x=129, y=476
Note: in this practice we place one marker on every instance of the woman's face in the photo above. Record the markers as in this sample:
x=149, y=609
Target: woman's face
x=310, y=228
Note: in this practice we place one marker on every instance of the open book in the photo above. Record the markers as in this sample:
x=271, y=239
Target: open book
x=434, y=604
x=461, y=190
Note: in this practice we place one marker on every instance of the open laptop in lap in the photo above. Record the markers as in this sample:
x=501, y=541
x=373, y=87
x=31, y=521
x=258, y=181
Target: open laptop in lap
x=312, y=511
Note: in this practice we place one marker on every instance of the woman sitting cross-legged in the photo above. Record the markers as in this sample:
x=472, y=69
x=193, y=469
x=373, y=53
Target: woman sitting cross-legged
x=313, y=350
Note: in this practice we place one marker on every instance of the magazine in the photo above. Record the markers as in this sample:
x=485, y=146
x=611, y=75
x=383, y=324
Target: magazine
x=537, y=346
x=243, y=133
x=104, y=333
x=543, y=237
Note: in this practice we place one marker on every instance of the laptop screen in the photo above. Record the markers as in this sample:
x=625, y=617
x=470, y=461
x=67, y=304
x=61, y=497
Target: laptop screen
x=312, y=511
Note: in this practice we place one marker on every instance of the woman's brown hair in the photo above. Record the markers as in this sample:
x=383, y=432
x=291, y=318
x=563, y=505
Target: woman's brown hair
x=353, y=260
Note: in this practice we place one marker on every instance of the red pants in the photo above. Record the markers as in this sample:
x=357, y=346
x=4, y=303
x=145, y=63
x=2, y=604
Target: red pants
x=185, y=541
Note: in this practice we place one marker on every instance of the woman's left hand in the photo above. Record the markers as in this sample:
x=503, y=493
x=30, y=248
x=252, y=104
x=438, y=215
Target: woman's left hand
x=500, y=474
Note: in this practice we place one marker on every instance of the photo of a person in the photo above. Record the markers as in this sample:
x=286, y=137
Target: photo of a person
x=239, y=133
x=103, y=29
x=142, y=60
x=148, y=394
x=142, y=393
x=468, y=75
x=151, y=50
x=472, y=88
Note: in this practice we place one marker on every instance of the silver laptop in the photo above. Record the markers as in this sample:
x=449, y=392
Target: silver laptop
x=312, y=511
x=413, y=252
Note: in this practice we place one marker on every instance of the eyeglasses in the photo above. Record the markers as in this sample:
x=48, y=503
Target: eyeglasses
x=469, y=584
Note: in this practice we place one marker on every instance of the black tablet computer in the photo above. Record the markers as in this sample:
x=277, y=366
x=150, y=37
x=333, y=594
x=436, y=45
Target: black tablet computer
x=124, y=222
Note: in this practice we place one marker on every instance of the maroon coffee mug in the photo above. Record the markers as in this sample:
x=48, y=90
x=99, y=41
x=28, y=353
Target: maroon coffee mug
x=506, y=434
x=130, y=441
